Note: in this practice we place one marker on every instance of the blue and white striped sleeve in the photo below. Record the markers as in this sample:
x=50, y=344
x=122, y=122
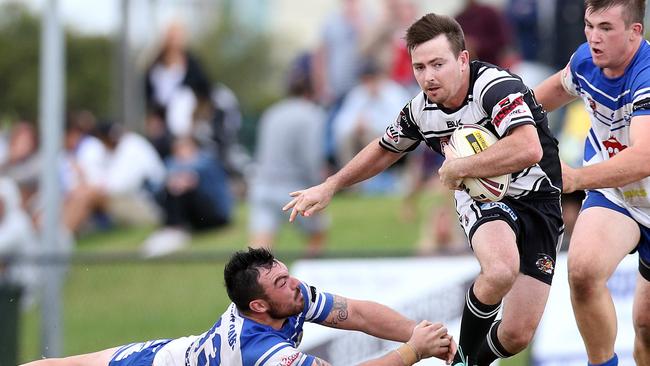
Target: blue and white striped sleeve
x=641, y=93
x=317, y=304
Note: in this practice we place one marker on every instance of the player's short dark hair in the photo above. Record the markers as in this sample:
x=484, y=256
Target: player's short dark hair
x=633, y=10
x=241, y=275
x=432, y=25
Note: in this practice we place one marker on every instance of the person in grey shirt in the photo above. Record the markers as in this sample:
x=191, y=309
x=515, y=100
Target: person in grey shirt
x=289, y=155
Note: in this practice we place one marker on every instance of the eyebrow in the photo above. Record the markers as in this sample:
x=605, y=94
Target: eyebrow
x=599, y=24
x=275, y=283
x=430, y=61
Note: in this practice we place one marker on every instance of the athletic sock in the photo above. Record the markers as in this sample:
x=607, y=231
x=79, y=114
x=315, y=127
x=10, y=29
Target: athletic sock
x=475, y=324
x=491, y=348
x=611, y=362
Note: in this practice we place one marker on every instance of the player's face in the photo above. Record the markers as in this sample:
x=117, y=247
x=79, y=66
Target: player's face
x=439, y=72
x=612, y=44
x=282, y=291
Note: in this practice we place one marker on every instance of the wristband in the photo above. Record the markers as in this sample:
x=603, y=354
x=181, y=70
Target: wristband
x=408, y=354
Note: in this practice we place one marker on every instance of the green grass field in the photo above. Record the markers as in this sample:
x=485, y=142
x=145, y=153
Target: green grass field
x=105, y=304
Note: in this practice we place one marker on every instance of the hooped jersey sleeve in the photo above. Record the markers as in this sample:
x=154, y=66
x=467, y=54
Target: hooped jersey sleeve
x=317, y=304
x=503, y=100
x=403, y=135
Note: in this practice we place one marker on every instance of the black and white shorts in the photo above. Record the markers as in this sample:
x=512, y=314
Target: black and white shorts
x=537, y=224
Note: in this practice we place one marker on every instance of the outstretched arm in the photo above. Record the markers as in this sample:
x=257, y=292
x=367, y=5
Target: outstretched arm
x=551, y=94
x=383, y=322
x=372, y=160
x=369, y=317
x=428, y=340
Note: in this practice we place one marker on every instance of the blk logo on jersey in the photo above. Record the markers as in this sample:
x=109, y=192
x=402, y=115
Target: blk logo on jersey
x=613, y=146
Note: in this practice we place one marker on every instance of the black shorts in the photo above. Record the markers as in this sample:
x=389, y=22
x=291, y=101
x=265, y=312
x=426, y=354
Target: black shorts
x=537, y=224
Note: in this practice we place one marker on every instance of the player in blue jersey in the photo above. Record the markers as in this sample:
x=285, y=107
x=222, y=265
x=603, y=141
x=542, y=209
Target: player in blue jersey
x=264, y=326
x=611, y=74
x=514, y=239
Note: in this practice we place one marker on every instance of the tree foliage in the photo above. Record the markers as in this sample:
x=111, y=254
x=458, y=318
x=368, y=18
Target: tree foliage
x=88, y=67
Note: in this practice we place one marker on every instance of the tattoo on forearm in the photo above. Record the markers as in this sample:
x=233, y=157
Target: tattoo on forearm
x=339, y=312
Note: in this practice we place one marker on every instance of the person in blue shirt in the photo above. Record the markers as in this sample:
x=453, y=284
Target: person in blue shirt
x=264, y=326
x=611, y=74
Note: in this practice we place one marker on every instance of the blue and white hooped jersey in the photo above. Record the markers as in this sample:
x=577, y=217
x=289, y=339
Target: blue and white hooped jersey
x=235, y=340
x=612, y=104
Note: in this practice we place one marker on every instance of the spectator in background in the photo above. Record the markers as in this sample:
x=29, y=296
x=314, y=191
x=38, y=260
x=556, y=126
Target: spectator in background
x=195, y=196
x=175, y=84
x=82, y=167
x=362, y=118
x=132, y=171
x=337, y=60
x=486, y=32
x=23, y=162
x=386, y=43
x=17, y=239
x=289, y=155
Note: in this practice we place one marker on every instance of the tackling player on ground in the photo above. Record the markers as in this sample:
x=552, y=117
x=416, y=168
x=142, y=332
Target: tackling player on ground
x=611, y=74
x=264, y=326
x=515, y=239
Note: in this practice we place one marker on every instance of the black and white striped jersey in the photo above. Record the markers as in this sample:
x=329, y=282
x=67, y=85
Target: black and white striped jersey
x=496, y=100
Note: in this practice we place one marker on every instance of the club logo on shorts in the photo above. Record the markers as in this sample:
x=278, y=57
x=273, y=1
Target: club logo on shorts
x=545, y=264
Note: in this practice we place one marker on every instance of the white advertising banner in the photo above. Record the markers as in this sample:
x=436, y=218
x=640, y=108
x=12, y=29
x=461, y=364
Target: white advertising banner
x=420, y=288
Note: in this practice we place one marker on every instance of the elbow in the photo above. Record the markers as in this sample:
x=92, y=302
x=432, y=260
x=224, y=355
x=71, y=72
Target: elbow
x=531, y=154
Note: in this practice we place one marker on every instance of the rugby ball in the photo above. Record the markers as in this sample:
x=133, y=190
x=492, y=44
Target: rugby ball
x=468, y=140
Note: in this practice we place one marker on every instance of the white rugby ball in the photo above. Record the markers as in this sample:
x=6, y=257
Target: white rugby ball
x=468, y=140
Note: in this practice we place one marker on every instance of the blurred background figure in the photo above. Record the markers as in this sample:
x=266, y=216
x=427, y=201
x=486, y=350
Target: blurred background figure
x=82, y=167
x=365, y=110
x=337, y=60
x=289, y=156
x=22, y=164
x=195, y=196
x=17, y=240
x=362, y=118
x=487, y=32
x=386, y=43
x=181, y=101
x=132, y=171
x=175, y=83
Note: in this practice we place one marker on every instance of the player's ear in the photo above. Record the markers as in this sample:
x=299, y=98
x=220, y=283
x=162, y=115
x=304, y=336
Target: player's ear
x=258, y=306
x=463, y=58
x=637, y=29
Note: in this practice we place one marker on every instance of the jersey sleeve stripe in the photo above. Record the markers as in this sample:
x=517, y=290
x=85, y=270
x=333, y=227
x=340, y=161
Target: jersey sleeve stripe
x=268, y=354
x=636, y=93
x=494, y=82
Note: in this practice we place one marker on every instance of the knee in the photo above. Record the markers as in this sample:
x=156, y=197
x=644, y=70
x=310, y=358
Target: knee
x=583, y=279
x=642, y=330
x=501, y=275
x=516, y=339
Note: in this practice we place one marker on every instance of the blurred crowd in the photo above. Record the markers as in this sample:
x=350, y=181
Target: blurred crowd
x=186, y=170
